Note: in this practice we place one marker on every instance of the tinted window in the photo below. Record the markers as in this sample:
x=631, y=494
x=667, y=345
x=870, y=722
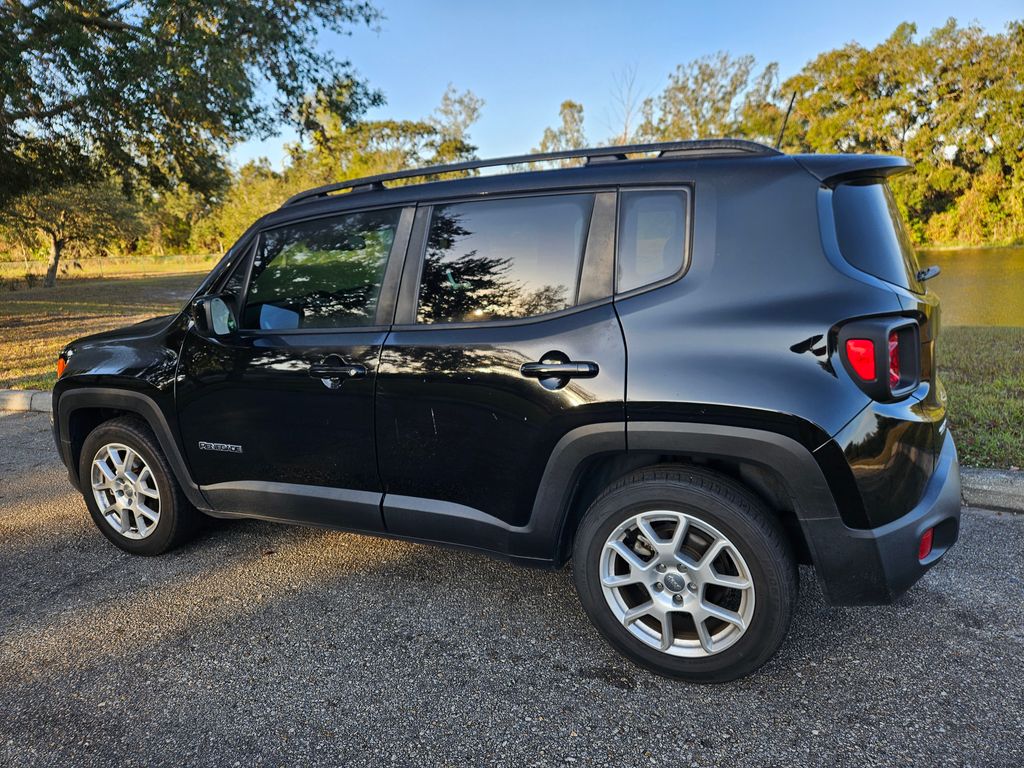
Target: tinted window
x=324, y=273
x=871, y=233
x=234, y=284
x=501, y=259
x=652, y=237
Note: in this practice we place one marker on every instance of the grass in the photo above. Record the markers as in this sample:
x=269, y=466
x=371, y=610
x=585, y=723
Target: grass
x=36, y=323
x=983, y=370
x=20, y=275
x=982, y=367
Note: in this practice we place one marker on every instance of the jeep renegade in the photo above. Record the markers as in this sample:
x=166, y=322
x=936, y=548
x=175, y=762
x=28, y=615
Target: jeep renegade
x=686, y=367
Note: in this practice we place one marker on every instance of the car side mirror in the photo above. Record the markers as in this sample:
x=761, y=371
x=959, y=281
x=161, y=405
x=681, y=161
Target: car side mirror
x=214, y=315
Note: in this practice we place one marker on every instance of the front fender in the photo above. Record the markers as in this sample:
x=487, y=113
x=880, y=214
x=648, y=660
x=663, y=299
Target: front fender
x=68, y=401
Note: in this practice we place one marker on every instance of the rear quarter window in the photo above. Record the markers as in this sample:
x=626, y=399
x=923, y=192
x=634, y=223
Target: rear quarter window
x=871, y=233
x=652, y=237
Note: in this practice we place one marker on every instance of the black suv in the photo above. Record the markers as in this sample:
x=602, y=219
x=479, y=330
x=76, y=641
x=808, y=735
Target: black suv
x=687, y=367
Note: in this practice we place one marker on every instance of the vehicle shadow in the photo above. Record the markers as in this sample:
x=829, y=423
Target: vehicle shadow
x=61, y=587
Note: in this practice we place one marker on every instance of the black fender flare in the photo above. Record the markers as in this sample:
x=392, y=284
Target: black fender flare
x=801, y=476
x=133, y=402
x=793, y=463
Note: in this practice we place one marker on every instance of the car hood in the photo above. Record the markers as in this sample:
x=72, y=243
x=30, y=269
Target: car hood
x=135, y=331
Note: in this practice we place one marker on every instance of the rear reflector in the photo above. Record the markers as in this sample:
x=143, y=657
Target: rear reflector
x=861, y=354
x=925, y=547
x=894, y=361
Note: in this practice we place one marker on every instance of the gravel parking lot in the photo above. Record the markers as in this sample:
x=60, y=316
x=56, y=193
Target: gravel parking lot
x=263, y=645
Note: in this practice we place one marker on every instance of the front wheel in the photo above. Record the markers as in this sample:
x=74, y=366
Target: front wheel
x=130, y=490
x=686, y=573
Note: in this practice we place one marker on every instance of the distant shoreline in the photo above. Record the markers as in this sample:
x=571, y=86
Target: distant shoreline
x=951, y=248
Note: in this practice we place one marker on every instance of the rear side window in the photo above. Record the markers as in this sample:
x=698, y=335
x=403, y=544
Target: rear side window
x=871, y=233
x=323, y=273
x=652, y=237
x=503, y=259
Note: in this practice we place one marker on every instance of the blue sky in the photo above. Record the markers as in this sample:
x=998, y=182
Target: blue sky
x=524, y=58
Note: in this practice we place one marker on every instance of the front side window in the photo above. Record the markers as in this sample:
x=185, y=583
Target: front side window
x=652, y=237
x=503, y=259
x=323, y=273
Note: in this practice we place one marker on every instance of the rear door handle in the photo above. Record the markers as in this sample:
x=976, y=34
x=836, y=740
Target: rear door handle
x=567, y=370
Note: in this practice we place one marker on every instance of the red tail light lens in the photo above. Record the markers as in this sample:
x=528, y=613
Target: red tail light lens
x=882, y=355
x=894, y=360
x=861, y=354
x=925, y=547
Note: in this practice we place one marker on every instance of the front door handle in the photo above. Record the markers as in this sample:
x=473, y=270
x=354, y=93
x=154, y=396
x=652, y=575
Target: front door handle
x=332, y=370
x=320, y=371
x=567, y=370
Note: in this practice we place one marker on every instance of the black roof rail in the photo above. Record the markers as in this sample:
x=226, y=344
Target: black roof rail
x=593, y=156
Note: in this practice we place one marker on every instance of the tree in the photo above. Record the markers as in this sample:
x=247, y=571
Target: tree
x=256, y=189
x=763, y=108
x=704, y=98
x=452, y=121
x=158, y=90
x=84, y=216
x=345, y=147
x=625, y=107
x=348, y=148
x=569, y=135
x=950, y=102
x=169, y=218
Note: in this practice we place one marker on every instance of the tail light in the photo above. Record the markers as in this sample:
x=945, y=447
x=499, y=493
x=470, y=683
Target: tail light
x=861, y=354
x=883, y=356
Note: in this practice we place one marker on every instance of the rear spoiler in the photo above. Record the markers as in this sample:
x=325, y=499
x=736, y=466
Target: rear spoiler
x=834, y=169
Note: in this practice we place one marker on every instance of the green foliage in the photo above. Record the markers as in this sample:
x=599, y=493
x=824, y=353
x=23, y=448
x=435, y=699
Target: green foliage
x=569, y=135
x=154, y=93
x=157, y=90
x=951, y=102
x=81, y=217
x=345, y=147
x=255, y=189
x=706, y=98
x=364, y=148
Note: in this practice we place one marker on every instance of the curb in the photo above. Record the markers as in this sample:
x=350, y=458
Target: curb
x=25, y=400
x=993, y=488
x=987, y=488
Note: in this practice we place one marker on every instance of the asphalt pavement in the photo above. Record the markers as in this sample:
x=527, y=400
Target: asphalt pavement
x=268, y=645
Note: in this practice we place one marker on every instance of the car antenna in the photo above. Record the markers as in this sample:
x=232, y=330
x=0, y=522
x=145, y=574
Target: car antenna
x=785, y=120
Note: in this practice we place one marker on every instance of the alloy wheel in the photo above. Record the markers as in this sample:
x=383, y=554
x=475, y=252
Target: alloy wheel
x=125, y=490
x=677, y=584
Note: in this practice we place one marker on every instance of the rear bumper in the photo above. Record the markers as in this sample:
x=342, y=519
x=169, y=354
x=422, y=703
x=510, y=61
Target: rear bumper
x=875, y=566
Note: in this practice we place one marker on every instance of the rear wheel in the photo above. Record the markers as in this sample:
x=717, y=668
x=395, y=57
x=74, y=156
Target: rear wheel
x=132, y=495
x=687, y=573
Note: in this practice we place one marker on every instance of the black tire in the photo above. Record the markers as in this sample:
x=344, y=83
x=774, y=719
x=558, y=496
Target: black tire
x=733, y=510
x=178, y=519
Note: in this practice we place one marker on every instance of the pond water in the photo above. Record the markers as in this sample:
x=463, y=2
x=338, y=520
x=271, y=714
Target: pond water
x=978, y=286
